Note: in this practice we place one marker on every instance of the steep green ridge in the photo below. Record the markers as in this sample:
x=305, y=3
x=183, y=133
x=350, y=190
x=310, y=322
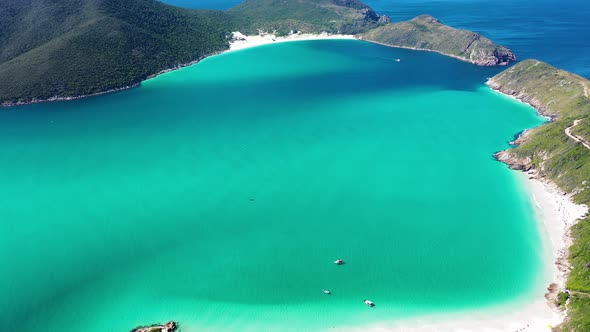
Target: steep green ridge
x=284, y=16
x=427, y=33
x=79, y=47
x=548, y=149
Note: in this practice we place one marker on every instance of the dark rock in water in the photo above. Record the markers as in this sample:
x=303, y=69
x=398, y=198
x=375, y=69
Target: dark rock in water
x=171, y=326
x=504, y=56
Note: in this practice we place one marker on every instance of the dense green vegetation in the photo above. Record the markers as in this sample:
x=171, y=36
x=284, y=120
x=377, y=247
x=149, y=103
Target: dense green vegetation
x=579, y=280
x=427, y=33
x=78, y=47
x=284, y=16
x=564, y=97
x=68, y=48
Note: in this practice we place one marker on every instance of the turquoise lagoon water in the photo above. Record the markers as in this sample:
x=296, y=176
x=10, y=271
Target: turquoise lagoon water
x=219, y=195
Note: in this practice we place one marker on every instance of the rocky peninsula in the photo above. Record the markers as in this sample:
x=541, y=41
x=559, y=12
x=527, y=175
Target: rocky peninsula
x=427, y=33
x=557, y=153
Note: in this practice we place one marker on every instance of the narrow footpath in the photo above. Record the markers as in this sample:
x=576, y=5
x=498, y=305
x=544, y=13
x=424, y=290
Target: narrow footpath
x=568, y=132
x=583, y=294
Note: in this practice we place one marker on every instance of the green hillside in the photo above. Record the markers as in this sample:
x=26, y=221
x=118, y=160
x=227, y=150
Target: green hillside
x=565, y=97
x=283, y=16
x=427, y=33
x=78, y=47
x=67, y=48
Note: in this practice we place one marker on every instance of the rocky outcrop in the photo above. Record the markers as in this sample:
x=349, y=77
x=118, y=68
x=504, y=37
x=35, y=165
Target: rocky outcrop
x=504, y=56
x=524, y=164
x=168, y=327
x=384, y=19
x=521, y=164
x=368, y=14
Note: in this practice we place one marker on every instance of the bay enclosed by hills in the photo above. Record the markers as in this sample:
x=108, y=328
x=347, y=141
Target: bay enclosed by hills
x=175, y=202
x=219, y=195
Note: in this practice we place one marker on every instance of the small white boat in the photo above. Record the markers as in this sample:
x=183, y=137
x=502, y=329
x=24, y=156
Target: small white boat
x=369, y=303
x=326, y=291
x=338, y=262
x=397, y=60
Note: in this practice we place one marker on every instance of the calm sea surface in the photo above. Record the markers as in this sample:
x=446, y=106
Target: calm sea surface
x=555, y=31
x=220, y=194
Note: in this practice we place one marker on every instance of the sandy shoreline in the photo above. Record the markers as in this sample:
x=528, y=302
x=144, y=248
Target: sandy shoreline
x=555, y=214
x=241, y=41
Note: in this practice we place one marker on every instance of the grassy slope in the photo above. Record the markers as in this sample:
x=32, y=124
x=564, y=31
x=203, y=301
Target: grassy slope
x=426, y=32
x=561, y=95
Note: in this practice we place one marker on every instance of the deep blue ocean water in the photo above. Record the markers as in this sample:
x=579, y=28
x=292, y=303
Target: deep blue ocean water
x=555, y=31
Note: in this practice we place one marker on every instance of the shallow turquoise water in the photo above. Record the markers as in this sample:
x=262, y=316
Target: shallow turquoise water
x=219, y=195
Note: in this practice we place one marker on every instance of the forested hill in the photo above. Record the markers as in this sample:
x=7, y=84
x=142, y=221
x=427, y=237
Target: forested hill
x=67, y=48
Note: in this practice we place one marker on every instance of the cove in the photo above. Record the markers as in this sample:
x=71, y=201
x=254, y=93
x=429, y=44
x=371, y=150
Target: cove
x=220, y=194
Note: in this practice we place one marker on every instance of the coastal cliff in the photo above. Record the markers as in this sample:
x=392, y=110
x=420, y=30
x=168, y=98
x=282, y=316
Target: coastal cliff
x=557, y=151
x=426, y=33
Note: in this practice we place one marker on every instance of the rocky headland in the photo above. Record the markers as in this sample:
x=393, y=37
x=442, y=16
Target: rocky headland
x=427, y=33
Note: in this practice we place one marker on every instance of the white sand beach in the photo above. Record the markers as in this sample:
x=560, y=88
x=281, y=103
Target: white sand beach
x=241, y=41
x=556, y=213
